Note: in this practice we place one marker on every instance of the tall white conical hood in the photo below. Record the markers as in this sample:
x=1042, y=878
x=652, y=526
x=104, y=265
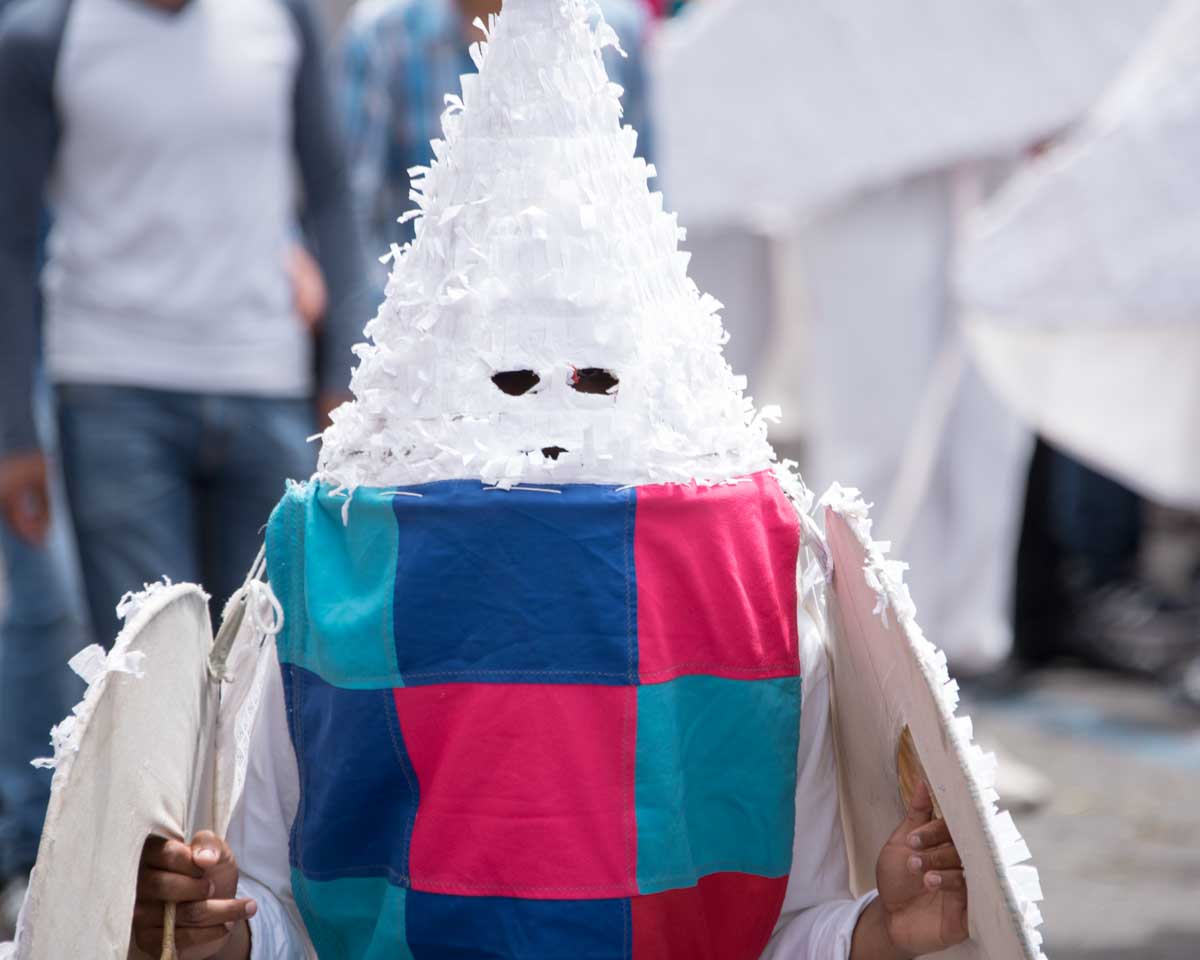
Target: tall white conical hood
x=539, y=247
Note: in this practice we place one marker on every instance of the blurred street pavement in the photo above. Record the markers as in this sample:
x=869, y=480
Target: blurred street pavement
x=1118, y=847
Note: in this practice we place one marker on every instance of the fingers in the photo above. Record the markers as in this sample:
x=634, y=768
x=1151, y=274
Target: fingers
x=29, y=516
x=213, y=913
x=174, y=856
x=24, y=495
x=932, y=834
x=945, y=857
x=946, y=881
x=919, y=813
x=164, y=885
x=198, y=913
x=209, y=851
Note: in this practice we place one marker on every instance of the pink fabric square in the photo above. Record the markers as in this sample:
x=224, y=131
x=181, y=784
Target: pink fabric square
x=526, y=790
x=716, y=581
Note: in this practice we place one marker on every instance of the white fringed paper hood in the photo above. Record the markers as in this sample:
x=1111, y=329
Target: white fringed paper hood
x=540, y=248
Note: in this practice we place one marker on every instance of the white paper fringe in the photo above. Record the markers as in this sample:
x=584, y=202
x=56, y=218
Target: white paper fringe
x=539, y=246
x=93, y=665
x=1009, y=849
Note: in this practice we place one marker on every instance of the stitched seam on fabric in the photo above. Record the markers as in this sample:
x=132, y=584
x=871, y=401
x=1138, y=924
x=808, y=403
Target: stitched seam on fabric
x=702, y=870
x=704, y=665
x=387, y=612
x=395, y=680
x=368, y=871
x=520, y=673
x=294, y=853
x=614, y=890
x=629, y=547
x=300, y=811
x=627, y=799
x=397, y=738
x=299, y=558
x=298, y=746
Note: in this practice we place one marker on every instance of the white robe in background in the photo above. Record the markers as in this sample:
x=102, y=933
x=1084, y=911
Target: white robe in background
x=884, y=357
x=1080, y=278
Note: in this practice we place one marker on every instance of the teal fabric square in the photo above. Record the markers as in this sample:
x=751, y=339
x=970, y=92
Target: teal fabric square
x=353, y=918
x=336, y=583
x=716, y=779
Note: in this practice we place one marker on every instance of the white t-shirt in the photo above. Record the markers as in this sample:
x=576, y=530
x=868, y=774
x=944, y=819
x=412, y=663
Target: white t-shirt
x=174, y=200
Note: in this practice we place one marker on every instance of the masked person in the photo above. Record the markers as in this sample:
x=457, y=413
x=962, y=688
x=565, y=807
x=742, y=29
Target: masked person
x=544, y=686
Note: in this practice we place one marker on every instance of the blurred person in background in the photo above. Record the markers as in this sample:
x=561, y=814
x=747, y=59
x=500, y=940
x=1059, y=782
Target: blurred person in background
x=1079, y=283
x=1082, y=590
x=40, y=627
x=400, y=58
x=892, y=386
x=165, y=134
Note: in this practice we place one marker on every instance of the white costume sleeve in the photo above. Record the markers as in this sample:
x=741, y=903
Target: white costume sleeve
x=819, y=914
x=258, y=831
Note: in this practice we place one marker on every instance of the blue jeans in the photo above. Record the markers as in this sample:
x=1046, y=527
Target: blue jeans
x=1096, y=521
x=176, y=484
x=40, y=629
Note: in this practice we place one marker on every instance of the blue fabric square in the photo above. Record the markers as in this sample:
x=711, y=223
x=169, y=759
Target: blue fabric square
x=716, y=779
x=353, y=918
x=497, y=928
x=336, y=582
x=358, y=789
x=516, y=586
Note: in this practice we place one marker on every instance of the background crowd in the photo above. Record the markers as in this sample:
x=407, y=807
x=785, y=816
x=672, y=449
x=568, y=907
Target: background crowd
x=194, y=196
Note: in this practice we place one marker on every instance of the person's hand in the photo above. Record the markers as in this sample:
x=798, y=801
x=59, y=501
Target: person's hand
x=25, y=495
x=921, y=882
x=201, y=878
x=309, y=294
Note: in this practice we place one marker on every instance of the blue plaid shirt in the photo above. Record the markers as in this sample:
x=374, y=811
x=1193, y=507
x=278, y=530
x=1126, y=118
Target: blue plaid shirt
x=399, y=60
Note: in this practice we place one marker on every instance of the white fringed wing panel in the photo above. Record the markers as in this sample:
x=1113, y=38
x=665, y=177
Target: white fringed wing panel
x=158, y=746
x=886, y=676
x=132, y=765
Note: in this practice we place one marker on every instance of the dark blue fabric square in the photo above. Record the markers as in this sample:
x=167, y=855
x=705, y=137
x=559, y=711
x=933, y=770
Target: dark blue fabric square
x=358, y=789
x=516, y=586
x=497, y=928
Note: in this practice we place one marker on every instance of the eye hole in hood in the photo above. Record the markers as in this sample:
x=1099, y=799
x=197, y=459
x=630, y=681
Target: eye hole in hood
x=516, y=382
x=593, y=380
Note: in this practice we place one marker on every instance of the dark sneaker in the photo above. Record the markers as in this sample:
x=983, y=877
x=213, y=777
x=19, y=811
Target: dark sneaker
x=1130, y=627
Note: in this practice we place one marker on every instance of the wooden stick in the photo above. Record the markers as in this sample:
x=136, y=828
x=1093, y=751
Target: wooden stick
x=168, y=949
